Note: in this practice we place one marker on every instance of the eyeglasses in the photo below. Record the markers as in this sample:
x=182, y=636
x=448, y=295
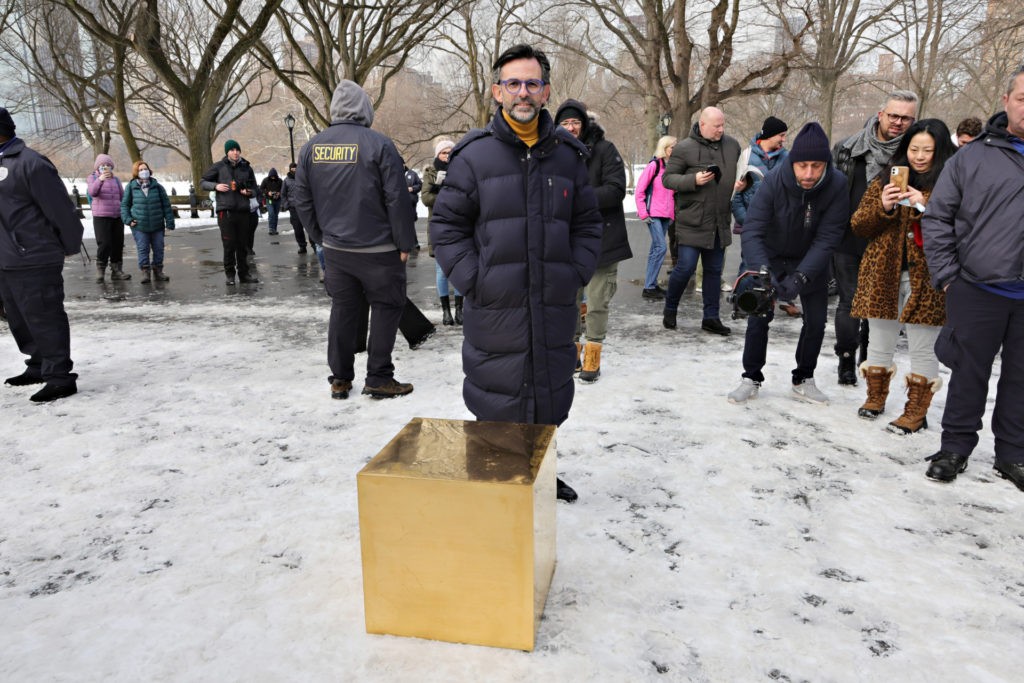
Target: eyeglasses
x=513, y=86
x=572, y=123
x=896, y=118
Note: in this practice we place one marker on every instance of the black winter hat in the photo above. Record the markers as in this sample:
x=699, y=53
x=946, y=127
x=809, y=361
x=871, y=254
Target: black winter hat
x=6, y=123
x=571, y=109
x=772, y=127
x=811, y=144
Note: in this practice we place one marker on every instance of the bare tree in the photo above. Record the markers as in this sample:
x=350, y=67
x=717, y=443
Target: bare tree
x=200, y=62
x=323, y=42
x=657, y=50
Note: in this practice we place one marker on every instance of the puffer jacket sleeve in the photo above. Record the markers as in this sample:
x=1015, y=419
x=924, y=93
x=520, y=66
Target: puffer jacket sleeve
x=830, y=228
x=453, y=225
x=126, y=204
x=674, y=178
x=612, y=189
x=870, y=220
x=430, y=187
x=759, y=218
x=644, y=186
x=587, y=224
x=938, y=225
x=211, y=177
x=95, y=184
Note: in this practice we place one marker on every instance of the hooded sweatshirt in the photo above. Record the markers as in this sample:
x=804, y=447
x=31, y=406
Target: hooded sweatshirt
x=350, y=189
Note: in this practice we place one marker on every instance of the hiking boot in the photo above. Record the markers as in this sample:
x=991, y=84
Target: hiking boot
x=746, y=391
x=715, y=326
x=669, y=319
x=390, y=389
x=52, y=392
x=945, y=466
x=145, y=275
x=116, y=273
x=591, y=363
x=1012, y=472
x=878, y=380
x=340, y=388
x=655, y=294
x=920, y=390
x=100, y=272
x=23, y=380
x=249, y=280
x=565, y=492
x=158, y=274
x=808, y=391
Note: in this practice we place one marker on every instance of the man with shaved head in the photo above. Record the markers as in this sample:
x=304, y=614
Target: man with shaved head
x=702, y=171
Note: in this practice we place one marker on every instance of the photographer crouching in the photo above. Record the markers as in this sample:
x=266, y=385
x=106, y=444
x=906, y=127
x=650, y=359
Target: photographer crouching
x=793, y=225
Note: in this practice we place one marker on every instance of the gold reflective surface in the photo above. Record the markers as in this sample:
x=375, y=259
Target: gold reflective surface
x=457, y=529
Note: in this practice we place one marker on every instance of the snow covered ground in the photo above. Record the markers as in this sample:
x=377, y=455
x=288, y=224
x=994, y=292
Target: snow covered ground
x=191, y=515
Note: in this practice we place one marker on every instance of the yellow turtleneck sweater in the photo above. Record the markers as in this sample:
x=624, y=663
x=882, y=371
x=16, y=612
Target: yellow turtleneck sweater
x=527, y=132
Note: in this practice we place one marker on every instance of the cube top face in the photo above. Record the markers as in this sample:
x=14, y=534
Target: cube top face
x=492, y=452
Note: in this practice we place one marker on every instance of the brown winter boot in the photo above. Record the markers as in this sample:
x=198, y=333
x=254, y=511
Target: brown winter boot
x=920, y=390
x=591, y=362
x=878, y=381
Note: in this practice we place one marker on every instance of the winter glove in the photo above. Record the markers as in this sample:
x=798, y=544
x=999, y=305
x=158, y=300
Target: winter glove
x=791, y=286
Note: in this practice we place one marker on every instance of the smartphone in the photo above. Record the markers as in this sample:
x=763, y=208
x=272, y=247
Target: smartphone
x=900, y=177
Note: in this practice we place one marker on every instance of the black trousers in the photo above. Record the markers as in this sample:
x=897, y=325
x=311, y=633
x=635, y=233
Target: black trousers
x=350, y=276
x=234, y=234
x=814, y=300
x=850, y=332
x=300, y=234
x=978, y=325
x=109, y=240
x=34, y=302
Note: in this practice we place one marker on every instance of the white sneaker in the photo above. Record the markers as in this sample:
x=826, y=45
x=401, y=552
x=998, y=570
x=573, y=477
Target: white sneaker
x=726, y=287
x=809, y=391
x=745, y=391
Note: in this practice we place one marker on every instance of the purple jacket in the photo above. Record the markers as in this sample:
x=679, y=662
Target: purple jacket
x=106, y=194
x=663, y=200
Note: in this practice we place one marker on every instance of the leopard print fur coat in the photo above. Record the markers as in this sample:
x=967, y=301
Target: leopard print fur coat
x=878, y=283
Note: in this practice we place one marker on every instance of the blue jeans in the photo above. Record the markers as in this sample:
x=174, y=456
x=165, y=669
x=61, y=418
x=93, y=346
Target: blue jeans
x=442, y=281
x=273, y=208
x=659, y=228
x=686, y=264
x=144, y=242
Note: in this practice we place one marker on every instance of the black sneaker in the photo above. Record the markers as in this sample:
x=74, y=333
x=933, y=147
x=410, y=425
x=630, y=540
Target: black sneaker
x=654, y=294
x=565, y=492
x=945, y=466
x=23, y=380
x=340, y=388
x=1012, y=472
x=52, y=392
x=715, y=326
x=390, y=389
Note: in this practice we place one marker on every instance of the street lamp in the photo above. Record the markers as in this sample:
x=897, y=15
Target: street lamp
x=664, y=123
x=289, y=121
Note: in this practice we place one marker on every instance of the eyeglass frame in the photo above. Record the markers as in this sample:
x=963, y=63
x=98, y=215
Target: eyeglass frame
x=523, y=84
x=896, y=118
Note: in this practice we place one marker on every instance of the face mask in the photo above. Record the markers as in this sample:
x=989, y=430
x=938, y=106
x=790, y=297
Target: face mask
x=143, y=174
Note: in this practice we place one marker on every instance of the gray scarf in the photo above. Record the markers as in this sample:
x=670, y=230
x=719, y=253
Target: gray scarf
x=876, y=152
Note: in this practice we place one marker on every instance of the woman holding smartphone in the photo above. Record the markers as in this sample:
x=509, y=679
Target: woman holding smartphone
x=893, y=287
x=106, y=192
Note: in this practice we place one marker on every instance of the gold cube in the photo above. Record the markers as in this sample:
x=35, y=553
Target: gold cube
x=457, y=528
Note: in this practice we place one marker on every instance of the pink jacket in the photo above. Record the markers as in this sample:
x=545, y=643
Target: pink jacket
x=663, y=202
x=106, y=194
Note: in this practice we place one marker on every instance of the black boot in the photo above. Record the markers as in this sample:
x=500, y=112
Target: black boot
x=945, y=465
x=145, y=275
x=101, y=269
x=847, y=368
x=158, y=274
x=669, y=319
x=458, y=309
x=565, y=492
x=446, y=311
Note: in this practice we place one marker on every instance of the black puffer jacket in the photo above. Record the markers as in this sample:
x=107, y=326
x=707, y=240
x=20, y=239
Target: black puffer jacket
x=224, y=172
x=607, y=176
x=517, y=230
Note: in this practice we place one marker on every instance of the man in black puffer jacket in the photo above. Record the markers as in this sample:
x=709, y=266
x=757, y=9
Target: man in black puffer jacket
x=793, y=225
x=607, y=176
x=235, y=183
x=516, y=229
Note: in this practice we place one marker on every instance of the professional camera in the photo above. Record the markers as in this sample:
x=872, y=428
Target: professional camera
x=753, y=294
